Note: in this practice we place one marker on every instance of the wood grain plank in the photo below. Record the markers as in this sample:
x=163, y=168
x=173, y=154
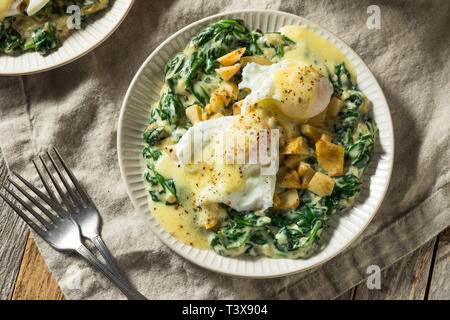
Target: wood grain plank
x=13, y=237
x=35, y=282
x=404, y=280
x=440, y=282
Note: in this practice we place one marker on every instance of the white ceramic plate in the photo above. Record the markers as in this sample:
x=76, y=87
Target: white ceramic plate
x=344, y=227
x=79, y=43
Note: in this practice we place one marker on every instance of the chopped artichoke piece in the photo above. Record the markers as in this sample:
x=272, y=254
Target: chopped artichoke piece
x=297, y=146
x=289, y=200
x=231, y=88
x=226, y=73
x=303, y=168
x=330, y=157
x=237, y=107
x=313, y=133
x=321, y=184
x=334, y=107
x=280, y=174
x=292, y=161
x=326, y=137
x=222, y=96
x=291, y=180
x=231, y=58
x=219, y=100
x=217, y=115
x=307, y=176
x=194, y=113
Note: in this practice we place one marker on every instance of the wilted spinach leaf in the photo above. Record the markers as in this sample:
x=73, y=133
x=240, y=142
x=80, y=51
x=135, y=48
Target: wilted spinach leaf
x=44, y=39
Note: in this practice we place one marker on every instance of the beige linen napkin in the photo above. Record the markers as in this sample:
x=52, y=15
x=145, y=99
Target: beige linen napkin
x=76, y=108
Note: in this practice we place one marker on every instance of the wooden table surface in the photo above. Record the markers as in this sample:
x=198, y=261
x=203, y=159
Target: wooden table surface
x=423, y=274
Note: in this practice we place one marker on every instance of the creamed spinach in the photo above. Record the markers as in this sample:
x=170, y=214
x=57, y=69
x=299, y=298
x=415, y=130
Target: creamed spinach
x=190, y=78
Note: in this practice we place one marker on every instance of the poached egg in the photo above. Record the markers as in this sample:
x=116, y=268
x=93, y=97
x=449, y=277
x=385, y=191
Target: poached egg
x=299, y=90
x=241, y=185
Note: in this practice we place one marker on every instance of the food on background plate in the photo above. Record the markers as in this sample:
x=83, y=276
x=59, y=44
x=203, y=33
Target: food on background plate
x=40, y=25
x=291, y=89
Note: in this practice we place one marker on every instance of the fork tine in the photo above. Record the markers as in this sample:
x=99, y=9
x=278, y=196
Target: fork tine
x=54, y=205
x=74, y=197
x=69, y=206
x=44, y=182
x=74, y=180
x=27, y=220
x=32, y=199
x=44, y=222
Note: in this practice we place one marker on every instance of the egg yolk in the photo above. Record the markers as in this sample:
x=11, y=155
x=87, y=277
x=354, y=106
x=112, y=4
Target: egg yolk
x=296, y=88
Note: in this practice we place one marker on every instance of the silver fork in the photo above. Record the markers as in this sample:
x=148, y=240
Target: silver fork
x=80, y=207
x=60, y=230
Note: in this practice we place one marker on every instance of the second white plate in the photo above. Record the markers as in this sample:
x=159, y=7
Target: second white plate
x=75, y=46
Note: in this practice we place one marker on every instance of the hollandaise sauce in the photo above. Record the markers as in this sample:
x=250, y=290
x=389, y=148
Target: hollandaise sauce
x=41, y=25
x=232, y=82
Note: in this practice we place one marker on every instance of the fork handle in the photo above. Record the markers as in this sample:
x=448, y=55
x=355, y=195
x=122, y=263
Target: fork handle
x=101, y=246
x=126, y=289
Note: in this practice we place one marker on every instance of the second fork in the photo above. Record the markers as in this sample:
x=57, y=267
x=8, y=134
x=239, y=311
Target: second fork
x=80, y=206
x=74, y=213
